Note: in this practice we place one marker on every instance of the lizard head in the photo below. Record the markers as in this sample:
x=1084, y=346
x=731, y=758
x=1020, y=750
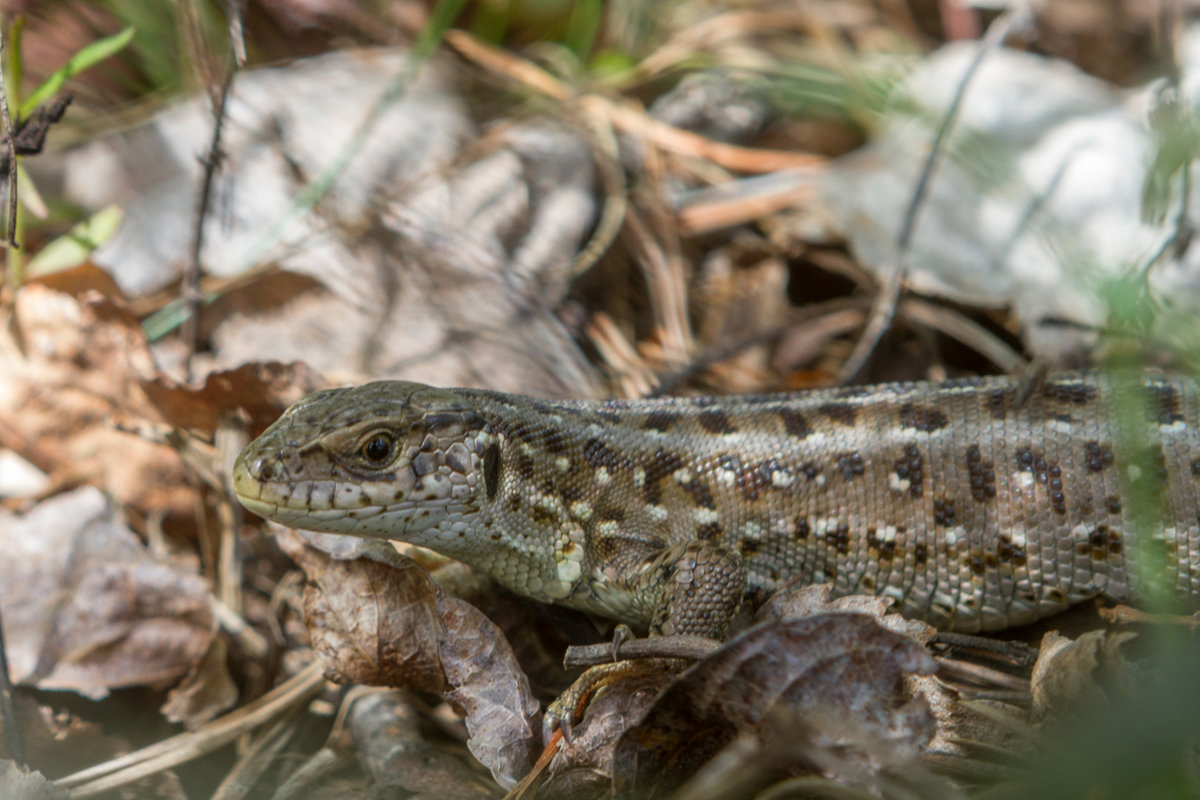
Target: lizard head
x=380, y=460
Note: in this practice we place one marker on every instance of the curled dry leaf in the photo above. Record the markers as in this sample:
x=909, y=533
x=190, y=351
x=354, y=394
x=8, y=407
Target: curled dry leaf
x=391, y=625
x=585, y=762
x=831, y=666
x=1077, y=674
x=800, y=600
x=87, y=608
x=955, y=721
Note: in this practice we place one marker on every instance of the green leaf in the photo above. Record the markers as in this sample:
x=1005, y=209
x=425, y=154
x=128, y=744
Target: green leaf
x=89, y=56
x=74, y=247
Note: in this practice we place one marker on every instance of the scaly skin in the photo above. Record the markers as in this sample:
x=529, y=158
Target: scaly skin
x=973, y=505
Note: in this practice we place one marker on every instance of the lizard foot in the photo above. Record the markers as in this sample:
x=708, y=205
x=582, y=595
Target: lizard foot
x=568, y=708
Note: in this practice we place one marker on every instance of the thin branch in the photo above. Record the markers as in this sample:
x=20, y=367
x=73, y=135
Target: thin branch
x=10, y=141
x=884, y=308
x=193, y=296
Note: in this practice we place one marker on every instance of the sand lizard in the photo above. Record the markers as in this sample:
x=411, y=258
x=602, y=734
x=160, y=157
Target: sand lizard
x=972, y=504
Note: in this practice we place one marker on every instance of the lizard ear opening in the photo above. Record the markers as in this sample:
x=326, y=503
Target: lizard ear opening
x=491, y=470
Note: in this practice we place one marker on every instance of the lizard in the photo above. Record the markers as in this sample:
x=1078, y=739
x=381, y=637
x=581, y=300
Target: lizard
x=976, y=504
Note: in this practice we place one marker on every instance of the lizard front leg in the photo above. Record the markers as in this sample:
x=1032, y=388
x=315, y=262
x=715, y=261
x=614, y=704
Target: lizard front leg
x=694, y=588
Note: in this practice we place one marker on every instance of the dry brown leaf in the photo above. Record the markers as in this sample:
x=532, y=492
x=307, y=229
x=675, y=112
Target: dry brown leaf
x=1072, y=675
x=69, y=366
x=205, y=692
x=394, y=746
x=799, y=600
x=87, y=608
x=391, y=625
x=832, y=666
x=585, y=761
x=262, y=389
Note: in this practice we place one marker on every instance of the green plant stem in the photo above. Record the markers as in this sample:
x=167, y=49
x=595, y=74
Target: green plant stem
x=13, y=74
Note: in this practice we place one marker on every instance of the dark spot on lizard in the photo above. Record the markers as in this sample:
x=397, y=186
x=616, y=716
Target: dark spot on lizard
x=663, y=463
x=1058, y=499
x=1099, y=541
x=652, y=492
x=885, y=549
x=610, y=513
x=1073, y=392
x=908, y=467
x=524, y=431
x=981, y=475
x=753, y=480
x=571, y=492
x=750, y=547
x=514, y=503
x=554, y=440
x=522, y=463
x=546, y=487
x=1097, y=456
x=598, y=454
x=715, y=421
x=943, y=511
x=841, y=413
x=1112, y=504
x=920, y=553
x=850, y=464
x=922, y=418
x=997, y=404
x=542, y=516
x=708, y=532
x=840, y=538
x=795, y=423
x=465, y=420
x=608, y=416
x=660, y=420
x=700, y=493
x=801, y=529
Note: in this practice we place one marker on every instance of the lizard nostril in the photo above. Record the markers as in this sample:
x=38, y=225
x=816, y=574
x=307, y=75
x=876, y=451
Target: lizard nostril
x=264, y=469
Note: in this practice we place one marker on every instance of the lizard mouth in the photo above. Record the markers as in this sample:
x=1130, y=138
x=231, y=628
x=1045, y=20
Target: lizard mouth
x=369, y=521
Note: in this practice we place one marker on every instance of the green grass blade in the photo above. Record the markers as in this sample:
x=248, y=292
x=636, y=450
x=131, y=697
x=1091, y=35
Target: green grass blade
x=88, y=57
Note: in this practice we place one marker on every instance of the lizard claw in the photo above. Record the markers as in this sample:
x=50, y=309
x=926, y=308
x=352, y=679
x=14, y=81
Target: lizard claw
x=621, y=634
x=560, y=716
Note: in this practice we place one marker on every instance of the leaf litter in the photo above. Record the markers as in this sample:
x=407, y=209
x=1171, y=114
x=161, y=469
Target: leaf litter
x=457, y=267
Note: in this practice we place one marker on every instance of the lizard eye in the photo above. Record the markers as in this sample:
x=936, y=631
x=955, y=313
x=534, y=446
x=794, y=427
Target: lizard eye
x=378, y=448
